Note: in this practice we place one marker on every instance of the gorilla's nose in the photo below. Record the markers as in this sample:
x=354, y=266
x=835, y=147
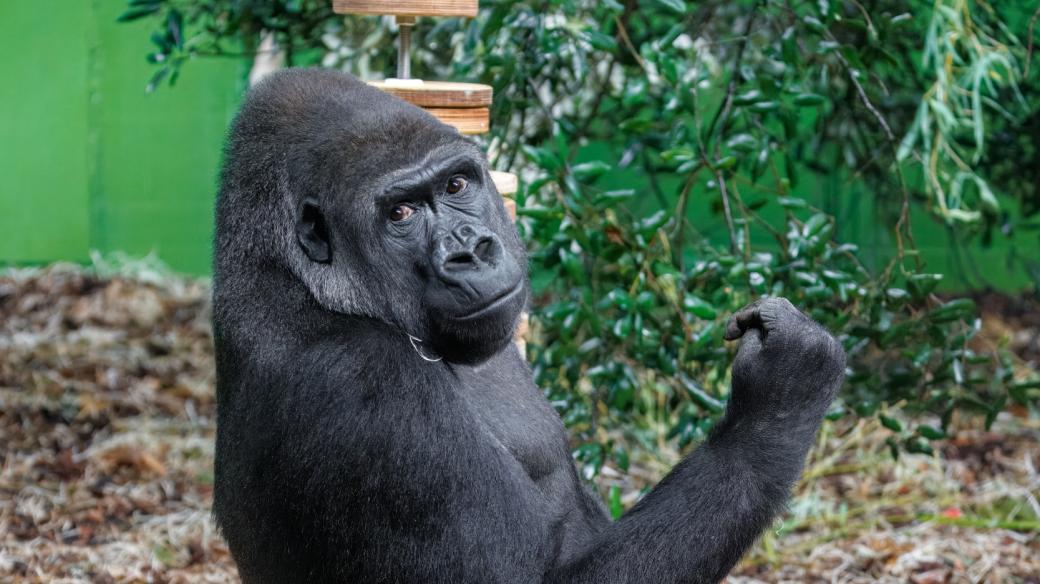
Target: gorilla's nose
x=468, y=248
x=473, y=265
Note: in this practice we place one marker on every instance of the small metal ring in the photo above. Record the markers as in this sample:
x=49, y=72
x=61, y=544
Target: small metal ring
x=415, y=346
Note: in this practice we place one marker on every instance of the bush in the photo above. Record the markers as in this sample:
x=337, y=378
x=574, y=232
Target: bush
x=722, y=119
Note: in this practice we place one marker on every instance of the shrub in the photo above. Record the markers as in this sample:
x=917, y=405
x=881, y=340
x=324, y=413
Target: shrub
x=722, y=120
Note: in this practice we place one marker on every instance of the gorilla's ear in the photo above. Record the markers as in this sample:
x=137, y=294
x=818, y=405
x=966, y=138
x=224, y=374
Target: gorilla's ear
x=312, y=232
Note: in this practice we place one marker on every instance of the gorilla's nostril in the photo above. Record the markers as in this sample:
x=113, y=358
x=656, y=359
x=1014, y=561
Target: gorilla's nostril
x=485, y=250
x=460, y=261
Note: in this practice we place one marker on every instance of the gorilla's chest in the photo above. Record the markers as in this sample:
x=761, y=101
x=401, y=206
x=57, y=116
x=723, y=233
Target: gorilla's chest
x=516, y=414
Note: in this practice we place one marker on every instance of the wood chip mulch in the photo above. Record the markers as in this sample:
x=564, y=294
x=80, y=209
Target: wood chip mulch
x=106, y=450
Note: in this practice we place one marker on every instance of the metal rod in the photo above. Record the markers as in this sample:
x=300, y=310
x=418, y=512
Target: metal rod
x=404, y=47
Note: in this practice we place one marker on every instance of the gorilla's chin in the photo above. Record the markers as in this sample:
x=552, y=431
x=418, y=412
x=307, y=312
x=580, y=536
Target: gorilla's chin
x=471, y=339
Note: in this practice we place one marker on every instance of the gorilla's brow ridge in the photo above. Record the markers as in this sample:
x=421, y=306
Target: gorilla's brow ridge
x=415, y=178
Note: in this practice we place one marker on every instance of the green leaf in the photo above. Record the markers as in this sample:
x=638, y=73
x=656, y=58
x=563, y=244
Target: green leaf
x=698, y=307
x=699, y=396
x=174, y=25
x=814, y=24
x=600, y=41
x=676, y=6
x=897, y=293
x=931, y=432
x=809, y=100
x=653, y=222
x=538, y=212
x=815, y=225
x=748, y=97
x=921, y=285
x=726, y=162
x=614, y=502
x=890, y=423
x=542, y=157
x=764, y=106
x=958, y=309
x=590, y=170
x=918, y=446
x=836, y=413
x=792, y=203
x=621, y=458
x=743, y=143
x=138, y=12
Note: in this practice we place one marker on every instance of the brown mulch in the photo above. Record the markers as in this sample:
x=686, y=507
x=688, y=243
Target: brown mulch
x=106, y=393
x=106, y=449
x=1016, y=318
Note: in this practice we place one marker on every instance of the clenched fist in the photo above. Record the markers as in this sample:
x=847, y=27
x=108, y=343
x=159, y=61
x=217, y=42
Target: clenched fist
x=787, y=364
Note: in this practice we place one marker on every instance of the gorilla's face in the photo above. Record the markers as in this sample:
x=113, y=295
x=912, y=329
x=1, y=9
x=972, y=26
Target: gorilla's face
x=427, y=237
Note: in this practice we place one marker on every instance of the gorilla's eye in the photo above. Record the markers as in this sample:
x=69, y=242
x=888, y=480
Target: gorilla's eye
x=457, y=184
x=401, y=212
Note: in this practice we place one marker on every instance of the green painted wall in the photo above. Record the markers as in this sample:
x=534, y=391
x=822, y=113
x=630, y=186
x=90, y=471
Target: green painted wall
x=88, y=160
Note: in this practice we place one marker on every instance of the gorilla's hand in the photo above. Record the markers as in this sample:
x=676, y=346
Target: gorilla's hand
x=787, y=363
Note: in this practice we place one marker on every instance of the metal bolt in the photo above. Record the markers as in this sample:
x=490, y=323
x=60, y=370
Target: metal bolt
x=404, y=46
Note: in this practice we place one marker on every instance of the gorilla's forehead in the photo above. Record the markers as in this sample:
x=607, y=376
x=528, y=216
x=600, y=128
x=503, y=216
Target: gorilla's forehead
x=319, y=110
x=335, y=136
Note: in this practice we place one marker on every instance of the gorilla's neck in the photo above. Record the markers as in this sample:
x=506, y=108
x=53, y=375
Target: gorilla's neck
x=257, y=306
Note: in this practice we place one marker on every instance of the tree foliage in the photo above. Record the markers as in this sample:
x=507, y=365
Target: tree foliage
x=671, y=153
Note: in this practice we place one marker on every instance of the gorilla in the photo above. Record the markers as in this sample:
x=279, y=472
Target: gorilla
x=376, y=423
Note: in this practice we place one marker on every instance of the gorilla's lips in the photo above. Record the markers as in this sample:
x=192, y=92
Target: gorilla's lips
x=503, y=299
x=471, y=332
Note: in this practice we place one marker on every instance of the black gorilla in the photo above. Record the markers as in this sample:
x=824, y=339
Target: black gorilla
x=376, y=423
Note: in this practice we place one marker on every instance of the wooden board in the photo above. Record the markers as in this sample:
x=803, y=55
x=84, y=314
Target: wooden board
x=510, y=207
x=520, y=338
x=444, y=94
x=505, y=182
x=469, y=120
x=467, y=8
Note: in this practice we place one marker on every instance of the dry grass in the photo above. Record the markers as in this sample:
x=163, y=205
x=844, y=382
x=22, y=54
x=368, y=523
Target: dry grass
x=106, y=446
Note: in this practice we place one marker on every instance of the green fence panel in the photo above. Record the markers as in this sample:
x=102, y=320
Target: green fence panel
x=44, y=158
x=157, y=154
x=88, y=159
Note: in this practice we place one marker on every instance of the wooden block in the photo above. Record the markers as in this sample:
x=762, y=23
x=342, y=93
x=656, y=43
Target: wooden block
x=523, y=327
x=467, y=8
x=438, y=94
x=505, y=182
x=520, y=338
x=510, y=207
x=467, y=120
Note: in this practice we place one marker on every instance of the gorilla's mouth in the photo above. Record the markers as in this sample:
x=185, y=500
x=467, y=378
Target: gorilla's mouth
x=495, y=303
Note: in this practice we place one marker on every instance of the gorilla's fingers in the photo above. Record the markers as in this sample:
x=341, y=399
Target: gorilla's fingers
x=748, y=317
x=774, y=309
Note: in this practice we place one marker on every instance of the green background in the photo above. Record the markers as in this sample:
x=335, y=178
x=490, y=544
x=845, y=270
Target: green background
x=90, y=161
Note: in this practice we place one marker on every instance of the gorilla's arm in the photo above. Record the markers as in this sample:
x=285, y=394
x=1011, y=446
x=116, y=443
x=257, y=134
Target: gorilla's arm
x=695, y=525
x=412, y=483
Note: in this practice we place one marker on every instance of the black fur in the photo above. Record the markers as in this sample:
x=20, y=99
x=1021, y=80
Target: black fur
x=345, y=454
